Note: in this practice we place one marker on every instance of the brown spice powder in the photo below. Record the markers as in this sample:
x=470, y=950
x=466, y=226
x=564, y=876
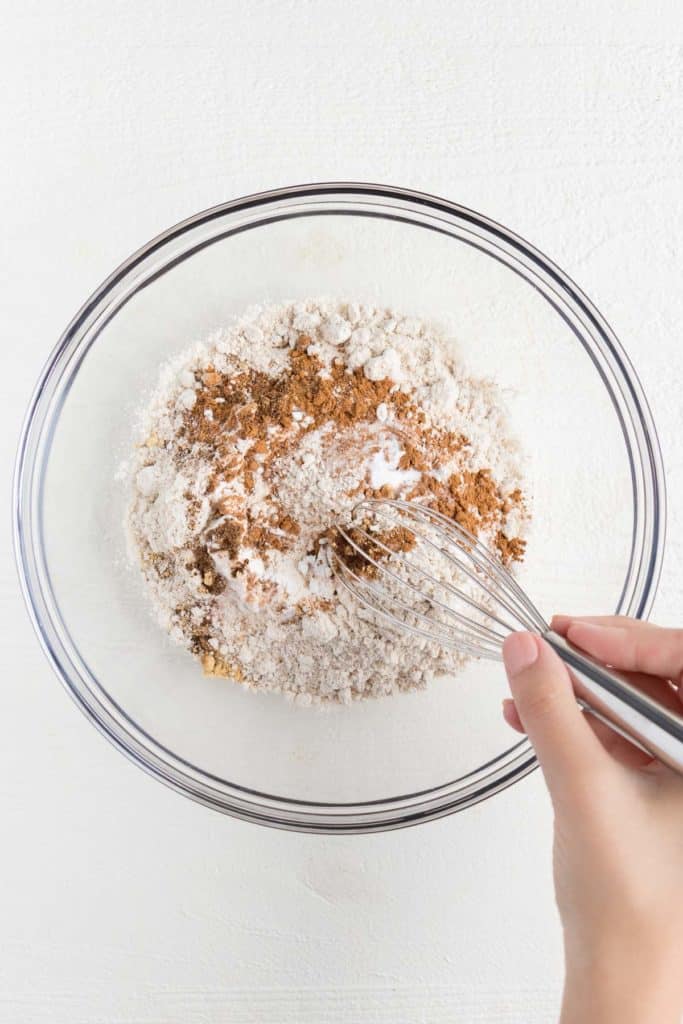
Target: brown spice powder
x=397, y=539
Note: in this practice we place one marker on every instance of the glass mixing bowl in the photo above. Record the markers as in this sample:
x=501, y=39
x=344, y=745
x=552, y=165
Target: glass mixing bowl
x=593, y=468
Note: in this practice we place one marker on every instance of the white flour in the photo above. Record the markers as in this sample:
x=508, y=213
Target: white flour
x=277, y=621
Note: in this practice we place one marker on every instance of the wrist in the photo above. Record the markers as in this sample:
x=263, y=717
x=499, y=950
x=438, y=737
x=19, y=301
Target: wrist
x=623, y=981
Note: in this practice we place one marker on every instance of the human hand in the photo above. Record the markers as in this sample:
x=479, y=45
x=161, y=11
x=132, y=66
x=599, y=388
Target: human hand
x=618, y=841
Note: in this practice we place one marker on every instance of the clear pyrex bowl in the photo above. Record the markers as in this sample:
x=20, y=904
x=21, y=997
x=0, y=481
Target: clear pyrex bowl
x=593, y=469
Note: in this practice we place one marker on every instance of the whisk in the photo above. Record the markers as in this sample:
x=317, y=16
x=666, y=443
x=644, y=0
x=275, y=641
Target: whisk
x=424, y=574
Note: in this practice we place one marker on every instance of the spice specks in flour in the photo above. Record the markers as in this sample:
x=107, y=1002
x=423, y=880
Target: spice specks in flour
x=258, y=440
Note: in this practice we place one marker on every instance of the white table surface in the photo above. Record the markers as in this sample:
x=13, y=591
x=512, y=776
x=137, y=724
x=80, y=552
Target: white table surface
x=122, y=902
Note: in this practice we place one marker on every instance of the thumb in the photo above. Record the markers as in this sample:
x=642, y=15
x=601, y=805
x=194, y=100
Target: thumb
x=541, y=686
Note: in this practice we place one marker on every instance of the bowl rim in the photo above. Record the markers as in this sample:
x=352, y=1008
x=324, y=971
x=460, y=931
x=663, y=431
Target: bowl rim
x=281, y=812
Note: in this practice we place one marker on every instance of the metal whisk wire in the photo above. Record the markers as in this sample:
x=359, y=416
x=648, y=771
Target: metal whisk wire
x=462, y=599
x=424, y=574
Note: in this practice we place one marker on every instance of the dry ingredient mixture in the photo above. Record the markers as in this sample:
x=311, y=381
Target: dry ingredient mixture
x=258, y=439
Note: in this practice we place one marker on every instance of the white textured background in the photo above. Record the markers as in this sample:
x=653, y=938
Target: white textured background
x=122, y=903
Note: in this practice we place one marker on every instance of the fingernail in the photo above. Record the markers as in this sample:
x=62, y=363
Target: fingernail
x=520, y=651
x=508, y=709
x=560, y=622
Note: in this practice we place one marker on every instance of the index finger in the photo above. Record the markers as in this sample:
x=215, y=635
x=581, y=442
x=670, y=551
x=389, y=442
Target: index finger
x=631, y=645
x=561, y=623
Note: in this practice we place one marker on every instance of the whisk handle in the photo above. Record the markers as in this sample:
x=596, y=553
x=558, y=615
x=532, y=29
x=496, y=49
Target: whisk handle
x=611, y=697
